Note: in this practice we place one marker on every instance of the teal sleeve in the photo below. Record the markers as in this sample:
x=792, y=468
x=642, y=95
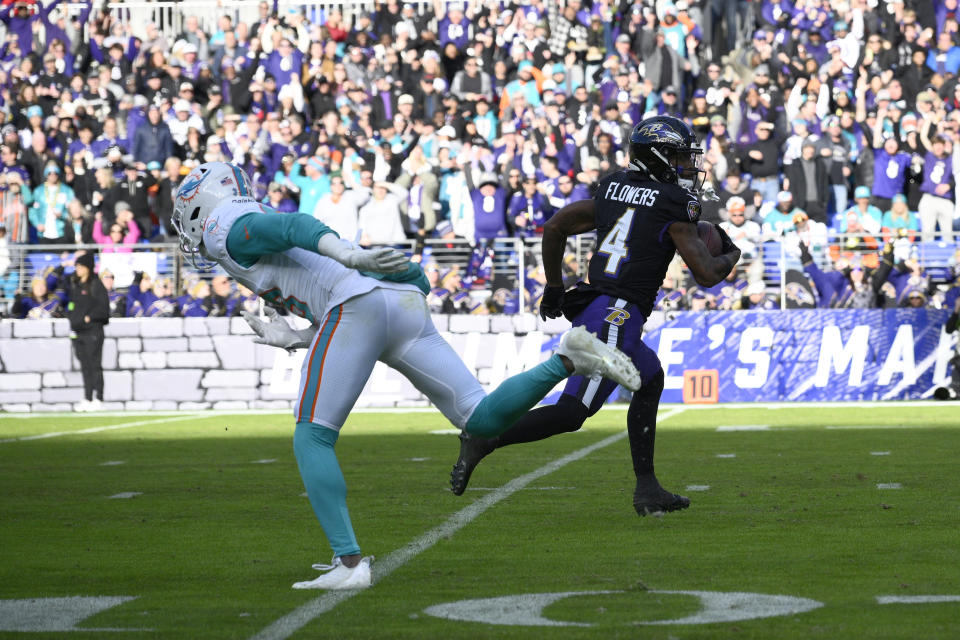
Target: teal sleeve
x=259, y=234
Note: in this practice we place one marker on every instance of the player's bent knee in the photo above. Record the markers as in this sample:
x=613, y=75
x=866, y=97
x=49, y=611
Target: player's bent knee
x=574, y=413
x=651, y=390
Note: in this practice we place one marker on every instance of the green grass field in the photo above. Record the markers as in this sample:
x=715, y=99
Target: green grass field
x=196, y=526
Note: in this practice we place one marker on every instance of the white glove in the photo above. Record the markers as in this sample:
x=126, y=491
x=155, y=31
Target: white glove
x=383, y=260
x=275, y=332
x=708, y=193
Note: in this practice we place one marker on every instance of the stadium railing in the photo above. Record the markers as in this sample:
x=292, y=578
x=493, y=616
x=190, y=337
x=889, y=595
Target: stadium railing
x=511, y=260
x=162, y=260
x=510, y=264
x=169, y=14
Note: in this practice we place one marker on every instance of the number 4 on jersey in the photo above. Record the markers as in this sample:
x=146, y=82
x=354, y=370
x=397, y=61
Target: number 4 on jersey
x=614, y=245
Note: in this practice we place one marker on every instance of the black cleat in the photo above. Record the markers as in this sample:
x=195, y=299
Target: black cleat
x=650, y=498
x=473, y=449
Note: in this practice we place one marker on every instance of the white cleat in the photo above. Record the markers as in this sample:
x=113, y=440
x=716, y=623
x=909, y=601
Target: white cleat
x=95, y=405
x=340, y=576
x=83, y=406
x=591, y=357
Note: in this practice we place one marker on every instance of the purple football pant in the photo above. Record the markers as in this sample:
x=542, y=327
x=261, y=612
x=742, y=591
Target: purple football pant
x=620, y=324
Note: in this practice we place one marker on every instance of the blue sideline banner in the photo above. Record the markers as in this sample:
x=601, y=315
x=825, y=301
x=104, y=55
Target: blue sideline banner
x=816, y=355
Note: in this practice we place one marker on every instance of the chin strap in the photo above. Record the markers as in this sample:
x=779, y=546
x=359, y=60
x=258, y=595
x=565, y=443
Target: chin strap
x=198, y=260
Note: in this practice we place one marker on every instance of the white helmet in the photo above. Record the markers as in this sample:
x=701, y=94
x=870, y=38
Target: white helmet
x=202, y=191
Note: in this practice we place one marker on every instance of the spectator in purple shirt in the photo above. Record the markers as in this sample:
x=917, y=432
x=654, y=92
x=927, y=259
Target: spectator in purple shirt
x=889, y=168
x=278, y=199
x=455, y=27
x=489, y=205
x=936, y=204
x=525, y=213
x=19, y=18
x=945, y=59
x=565, y=193
x=284, y=63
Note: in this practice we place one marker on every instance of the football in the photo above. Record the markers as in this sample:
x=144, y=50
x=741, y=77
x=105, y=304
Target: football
x=710, y=236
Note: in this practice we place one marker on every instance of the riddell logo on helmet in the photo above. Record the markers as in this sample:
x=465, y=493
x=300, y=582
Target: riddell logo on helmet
x=616, y=316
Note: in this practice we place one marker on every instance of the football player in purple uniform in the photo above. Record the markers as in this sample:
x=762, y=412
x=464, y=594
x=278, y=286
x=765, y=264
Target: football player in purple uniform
x=643, y=215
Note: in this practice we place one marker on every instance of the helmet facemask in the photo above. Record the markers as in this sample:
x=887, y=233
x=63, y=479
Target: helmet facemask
x=666, y=150
x=688, y=163
x=191, y=245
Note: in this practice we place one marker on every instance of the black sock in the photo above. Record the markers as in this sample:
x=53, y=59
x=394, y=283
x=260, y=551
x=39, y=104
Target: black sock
x=540, y=423
x=642, y=424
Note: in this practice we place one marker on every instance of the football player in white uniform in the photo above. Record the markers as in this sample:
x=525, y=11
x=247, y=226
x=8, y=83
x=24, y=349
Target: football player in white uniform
x=363, y=306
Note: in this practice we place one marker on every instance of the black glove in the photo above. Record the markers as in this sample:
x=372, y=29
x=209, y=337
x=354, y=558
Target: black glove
x=550, y=302
x=726, y=244
x=805, y=256
x=888, y=253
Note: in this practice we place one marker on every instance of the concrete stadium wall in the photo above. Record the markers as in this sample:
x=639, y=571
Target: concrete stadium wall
x=200, y=363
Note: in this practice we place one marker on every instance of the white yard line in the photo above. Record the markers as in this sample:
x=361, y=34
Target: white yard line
x=915, y=599
x=744, y=427
x=304, y=614
x=903, y=404
x=17, y=415
x=841, y=427
x=123, y=425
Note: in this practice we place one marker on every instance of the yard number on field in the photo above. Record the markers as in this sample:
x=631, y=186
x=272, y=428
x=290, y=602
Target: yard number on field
x=67, y=614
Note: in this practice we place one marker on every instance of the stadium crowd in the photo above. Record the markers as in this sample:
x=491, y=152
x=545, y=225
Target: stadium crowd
x=831, y=132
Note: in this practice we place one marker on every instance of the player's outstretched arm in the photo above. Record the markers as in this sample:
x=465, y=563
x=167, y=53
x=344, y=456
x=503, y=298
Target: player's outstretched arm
x=382, y=260
x=257, y=234
x=275, y=332
x=707, y=270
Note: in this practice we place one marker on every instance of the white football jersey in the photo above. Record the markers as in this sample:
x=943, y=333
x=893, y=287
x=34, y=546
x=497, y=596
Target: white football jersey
x=305, y=283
